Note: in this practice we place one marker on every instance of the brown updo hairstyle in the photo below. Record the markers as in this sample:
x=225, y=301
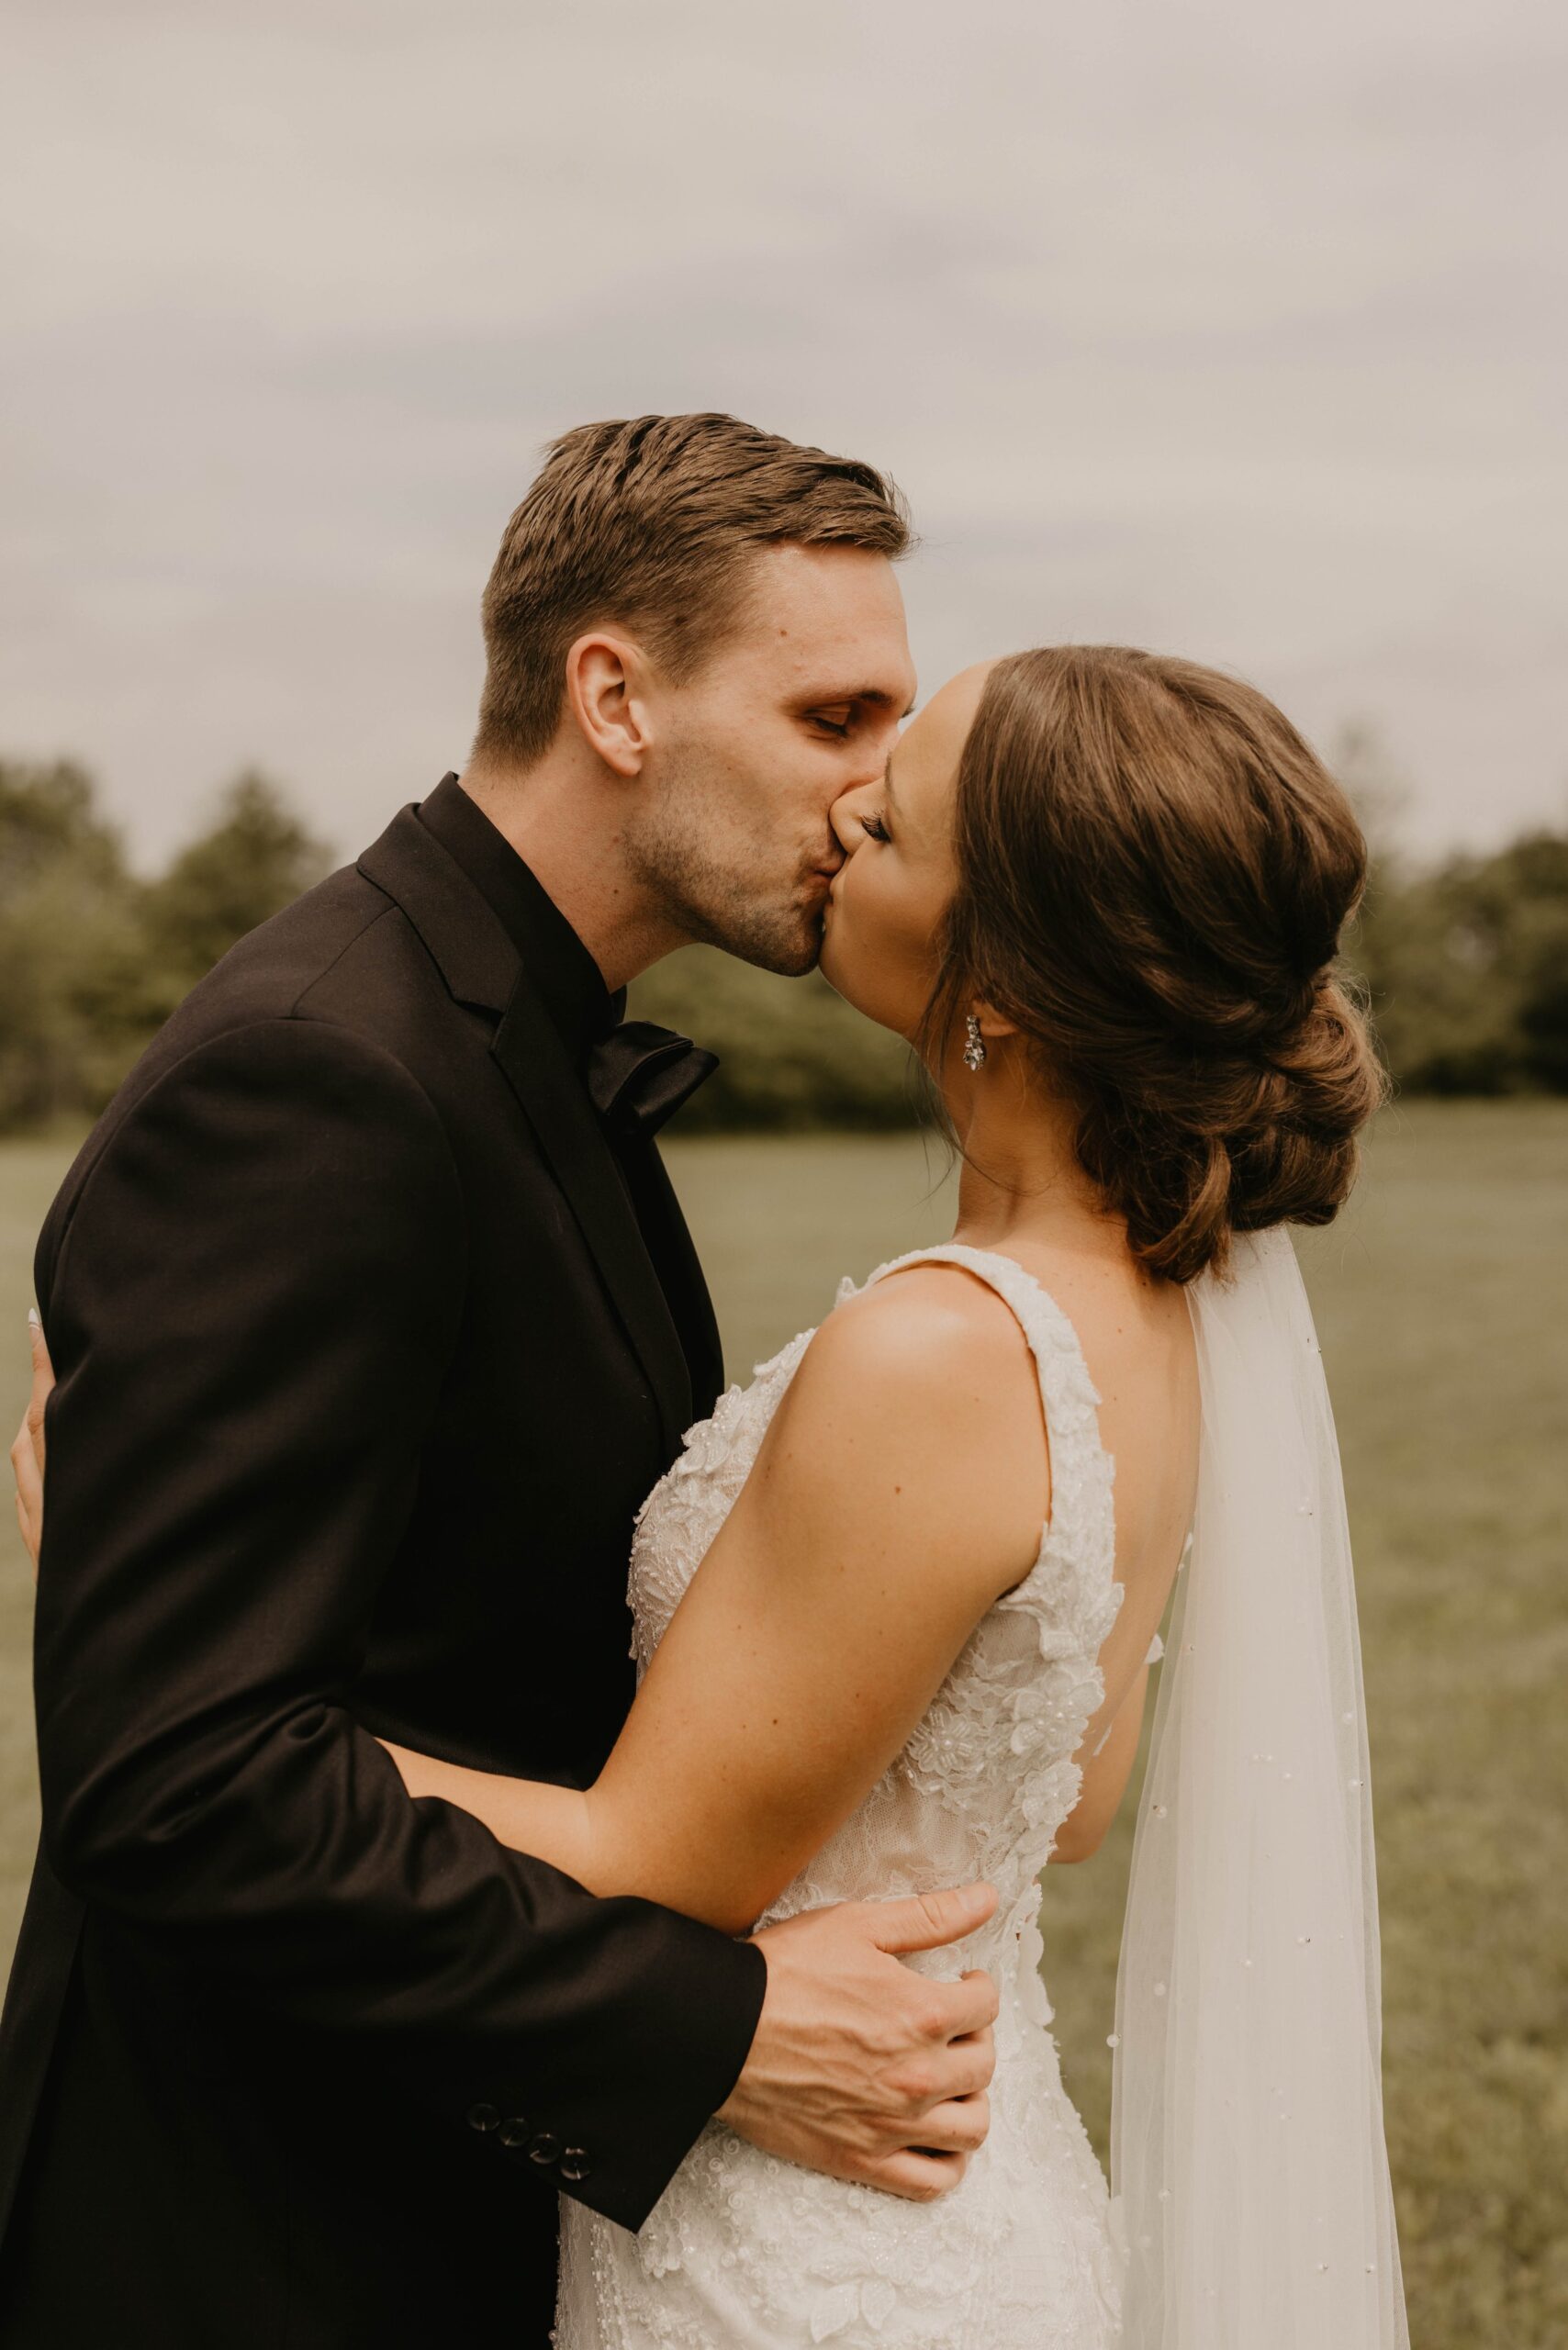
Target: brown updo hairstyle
x=1153, y=872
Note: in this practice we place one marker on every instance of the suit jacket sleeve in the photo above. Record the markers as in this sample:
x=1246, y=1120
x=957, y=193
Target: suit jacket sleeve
x=251, y=1308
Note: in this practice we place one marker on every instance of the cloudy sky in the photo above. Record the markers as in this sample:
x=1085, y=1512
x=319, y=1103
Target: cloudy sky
x=1231, y=327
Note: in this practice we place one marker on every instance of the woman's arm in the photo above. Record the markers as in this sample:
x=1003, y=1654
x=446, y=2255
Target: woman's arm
x=560, y=1824
x=526, y=1814
x=514, y=1808
x=898, y=1494
x=29, y=1449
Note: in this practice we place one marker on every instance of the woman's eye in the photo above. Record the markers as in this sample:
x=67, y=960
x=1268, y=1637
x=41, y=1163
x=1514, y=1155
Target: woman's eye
x=874, y=828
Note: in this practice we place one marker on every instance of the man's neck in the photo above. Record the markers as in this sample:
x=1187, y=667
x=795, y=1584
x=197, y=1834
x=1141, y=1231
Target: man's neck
x=567, y=832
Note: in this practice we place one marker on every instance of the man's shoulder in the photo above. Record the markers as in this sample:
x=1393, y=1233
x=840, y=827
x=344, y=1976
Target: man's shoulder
x=342, y=964
x=345, y=956
x=275, y=970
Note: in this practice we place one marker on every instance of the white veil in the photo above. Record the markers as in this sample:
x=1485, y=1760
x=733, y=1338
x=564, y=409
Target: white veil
x=1247, y=2138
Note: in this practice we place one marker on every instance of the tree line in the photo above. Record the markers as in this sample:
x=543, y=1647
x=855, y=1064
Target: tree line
x=1464, y=965
x=92, y=958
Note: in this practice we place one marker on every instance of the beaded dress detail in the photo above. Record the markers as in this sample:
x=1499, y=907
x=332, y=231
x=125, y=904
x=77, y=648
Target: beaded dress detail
x=744, y=2252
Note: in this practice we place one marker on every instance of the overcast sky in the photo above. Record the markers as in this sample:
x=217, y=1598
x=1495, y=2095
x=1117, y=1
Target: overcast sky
x=1231, y=327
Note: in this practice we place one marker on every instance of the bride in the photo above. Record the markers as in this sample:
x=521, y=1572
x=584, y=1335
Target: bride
x=895, y=1605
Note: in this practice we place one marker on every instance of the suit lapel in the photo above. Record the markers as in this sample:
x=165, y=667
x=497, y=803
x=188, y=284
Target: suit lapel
x=660, y=1215
x=481, y=966
x=465, y=938
x=530, y=1054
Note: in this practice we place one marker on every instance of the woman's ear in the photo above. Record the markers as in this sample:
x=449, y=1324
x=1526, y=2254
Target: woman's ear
x=606, y=676
x=993, y=1027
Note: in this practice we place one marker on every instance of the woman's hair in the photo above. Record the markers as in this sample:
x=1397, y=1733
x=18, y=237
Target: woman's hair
x=1153, y=873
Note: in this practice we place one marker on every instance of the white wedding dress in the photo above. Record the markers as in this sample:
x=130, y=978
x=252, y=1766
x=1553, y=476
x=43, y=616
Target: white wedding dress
x=747, y=2253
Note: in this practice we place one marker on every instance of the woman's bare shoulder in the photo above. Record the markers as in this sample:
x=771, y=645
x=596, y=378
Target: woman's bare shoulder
x=919, y=1397
x=933, y=1338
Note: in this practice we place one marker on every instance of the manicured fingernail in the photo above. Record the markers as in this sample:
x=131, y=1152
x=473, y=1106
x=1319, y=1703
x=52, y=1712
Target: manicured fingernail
x=33, y=1317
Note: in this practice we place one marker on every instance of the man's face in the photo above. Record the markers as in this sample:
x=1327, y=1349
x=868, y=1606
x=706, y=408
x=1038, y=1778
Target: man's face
x=733, y=831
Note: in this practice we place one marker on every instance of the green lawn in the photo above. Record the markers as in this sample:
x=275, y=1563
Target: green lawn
x=1440, y=1300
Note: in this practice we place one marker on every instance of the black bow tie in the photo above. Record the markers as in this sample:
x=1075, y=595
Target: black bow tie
x=639, y=1075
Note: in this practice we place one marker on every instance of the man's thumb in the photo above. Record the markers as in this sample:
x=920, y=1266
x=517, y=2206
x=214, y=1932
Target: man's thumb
x=926, y=1921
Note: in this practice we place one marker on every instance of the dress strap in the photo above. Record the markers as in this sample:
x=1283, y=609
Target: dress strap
x=1081, y=1469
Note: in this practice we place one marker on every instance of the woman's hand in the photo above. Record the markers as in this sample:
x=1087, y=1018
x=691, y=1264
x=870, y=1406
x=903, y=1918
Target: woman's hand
x=26, y=1453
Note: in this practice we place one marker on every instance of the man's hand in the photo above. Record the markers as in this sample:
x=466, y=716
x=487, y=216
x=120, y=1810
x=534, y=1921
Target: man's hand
x=26, y=1453
x=860, y=2067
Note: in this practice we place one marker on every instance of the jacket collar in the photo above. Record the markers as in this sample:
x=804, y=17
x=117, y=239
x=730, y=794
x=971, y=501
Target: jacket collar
x=463, y=936
x=565, y=977
x=483, y=967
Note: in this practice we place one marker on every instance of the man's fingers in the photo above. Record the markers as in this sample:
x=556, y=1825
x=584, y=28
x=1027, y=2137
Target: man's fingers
x=949, y=2014
x=927, y=1920
x=964, y=2068
x=25, y=1467
x=29, y=1538
x=918, y=2178
x=970, y=2005
x=43, y=1381
x=958, y=2127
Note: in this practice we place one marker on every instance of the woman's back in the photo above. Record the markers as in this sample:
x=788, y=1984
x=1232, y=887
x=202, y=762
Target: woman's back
x=1136, y=1335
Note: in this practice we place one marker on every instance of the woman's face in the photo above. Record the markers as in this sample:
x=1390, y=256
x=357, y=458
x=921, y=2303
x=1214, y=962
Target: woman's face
x=886, y=906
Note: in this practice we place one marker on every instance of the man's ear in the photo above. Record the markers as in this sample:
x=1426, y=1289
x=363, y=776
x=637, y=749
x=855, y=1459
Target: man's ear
x=606, y=682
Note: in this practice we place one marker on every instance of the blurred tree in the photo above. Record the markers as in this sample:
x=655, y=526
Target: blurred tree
x=92, y=961
x=70, y=946
x=1465, y=964
x=257, y=859
x=1467, y=970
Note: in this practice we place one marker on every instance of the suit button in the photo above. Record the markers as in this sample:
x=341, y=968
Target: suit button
x=514, y=2130
x=575, y=2164
x=544, y=2150
x=483, y=2117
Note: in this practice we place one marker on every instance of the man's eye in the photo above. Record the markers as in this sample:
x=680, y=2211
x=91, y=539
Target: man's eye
x=839, y=729
x=874, y=828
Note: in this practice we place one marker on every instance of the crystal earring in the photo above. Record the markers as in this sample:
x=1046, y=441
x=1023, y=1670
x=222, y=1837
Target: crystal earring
x=974, y=1050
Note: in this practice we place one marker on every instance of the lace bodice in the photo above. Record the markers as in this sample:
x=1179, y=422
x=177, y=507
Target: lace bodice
x=743, y=2250
x=987, y=1777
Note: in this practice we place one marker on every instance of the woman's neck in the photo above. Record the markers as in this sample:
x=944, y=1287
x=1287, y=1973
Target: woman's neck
x=1022, y=1184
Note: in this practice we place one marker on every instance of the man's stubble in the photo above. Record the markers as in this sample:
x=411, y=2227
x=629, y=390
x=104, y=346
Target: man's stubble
x=721, y=885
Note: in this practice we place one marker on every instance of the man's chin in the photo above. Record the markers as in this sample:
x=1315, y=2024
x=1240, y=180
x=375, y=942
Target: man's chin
x=790, y=963
x=788, y=949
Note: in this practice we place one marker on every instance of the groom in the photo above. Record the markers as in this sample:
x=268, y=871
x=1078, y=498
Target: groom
x=375, y=1319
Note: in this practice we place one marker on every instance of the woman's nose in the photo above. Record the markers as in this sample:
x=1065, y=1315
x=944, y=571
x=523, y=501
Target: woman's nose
x=843, y=816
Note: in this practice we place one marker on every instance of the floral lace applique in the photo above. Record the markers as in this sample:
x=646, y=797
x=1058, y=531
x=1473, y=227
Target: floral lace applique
x=746, y=2253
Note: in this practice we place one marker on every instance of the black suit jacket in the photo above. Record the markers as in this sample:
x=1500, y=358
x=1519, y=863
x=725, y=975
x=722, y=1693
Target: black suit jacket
x=365, y=1365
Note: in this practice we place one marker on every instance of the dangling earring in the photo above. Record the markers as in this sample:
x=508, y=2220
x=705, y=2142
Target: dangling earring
x=974, y=1051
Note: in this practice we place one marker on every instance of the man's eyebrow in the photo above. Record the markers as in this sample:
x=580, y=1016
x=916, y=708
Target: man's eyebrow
x=875, y=697
x=881, y=700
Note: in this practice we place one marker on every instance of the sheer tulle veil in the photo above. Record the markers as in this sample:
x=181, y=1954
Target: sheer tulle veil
x=1248, y=2153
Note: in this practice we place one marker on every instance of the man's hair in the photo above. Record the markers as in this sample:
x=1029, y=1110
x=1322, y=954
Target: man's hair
x=654, y=524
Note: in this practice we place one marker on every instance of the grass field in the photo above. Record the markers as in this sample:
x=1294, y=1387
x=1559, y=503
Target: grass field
x=1440, y=1299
